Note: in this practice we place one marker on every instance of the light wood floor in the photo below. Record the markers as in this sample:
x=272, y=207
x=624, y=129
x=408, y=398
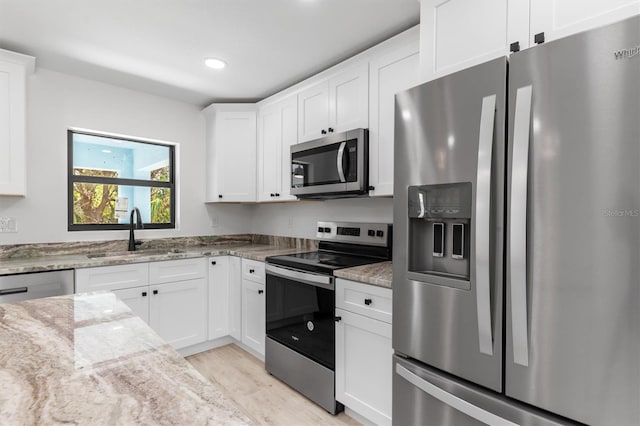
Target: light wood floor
x=242, y=377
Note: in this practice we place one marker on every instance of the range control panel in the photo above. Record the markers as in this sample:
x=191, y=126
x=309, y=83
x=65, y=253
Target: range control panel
x=355, y=233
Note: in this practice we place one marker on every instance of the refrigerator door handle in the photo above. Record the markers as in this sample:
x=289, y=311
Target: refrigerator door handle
x=451, y=400
x=483, y=222
x=518, y=226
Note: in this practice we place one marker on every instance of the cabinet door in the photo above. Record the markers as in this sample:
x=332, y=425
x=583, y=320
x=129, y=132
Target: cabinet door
x=112, y=277
x=457, y=34
x=253, y=315
x=177, y=270
x=218, y=297
x=364, y=366
x=289, y=119
x=557, y=19
x=235, y=156
x=178, y=312
x=269, y=152
x=349, y=99
x=137, y=299
x=13, y=71
x=235, y=298
x=313, y=106
x=396, y=71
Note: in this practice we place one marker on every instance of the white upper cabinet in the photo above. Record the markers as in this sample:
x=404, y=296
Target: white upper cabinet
x=231, y=153
x=313, y=105
x=14, y=69
x=277, y=131
x=560, y=18
x=335, y=105
x=389, y=74
x=457, y=34
x=349, y=99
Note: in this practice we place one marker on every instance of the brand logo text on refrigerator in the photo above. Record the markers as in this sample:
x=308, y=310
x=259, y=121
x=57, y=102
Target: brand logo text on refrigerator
x=627, y=53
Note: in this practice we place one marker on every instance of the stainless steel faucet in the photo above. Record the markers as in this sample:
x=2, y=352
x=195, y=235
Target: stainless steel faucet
x=132, y=239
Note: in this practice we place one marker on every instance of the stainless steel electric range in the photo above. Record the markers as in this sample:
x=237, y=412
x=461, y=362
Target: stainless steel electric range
x=300, y=329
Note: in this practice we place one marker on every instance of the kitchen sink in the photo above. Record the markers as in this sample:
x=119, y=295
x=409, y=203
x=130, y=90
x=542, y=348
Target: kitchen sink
x=133, y=254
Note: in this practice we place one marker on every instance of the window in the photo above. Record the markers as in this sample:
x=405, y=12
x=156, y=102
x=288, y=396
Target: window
x=109, y=176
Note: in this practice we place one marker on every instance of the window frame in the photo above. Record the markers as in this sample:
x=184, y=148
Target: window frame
x=72, y=178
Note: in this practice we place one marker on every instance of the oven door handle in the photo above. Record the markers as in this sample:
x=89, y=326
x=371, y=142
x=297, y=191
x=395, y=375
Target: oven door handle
x=318, y=280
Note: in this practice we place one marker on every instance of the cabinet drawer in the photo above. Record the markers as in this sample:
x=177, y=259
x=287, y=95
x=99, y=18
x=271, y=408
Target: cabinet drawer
x=112, y=277
x=177, y=270
x=364, y=299
x=253, y=270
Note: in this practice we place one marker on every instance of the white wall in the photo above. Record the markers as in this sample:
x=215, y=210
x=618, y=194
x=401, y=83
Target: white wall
x=58, y=101
x=299, y=219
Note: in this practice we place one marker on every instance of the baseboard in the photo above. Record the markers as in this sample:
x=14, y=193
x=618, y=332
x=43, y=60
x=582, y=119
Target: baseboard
x=205, y=346
x=354, y=415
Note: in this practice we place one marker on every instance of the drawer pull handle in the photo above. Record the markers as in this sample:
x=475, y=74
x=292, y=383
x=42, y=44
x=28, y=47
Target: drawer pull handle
x=213, y=262
x=155, y=291
x=367, y=301
x=338, y=319
x=260, y=291
x=144, y=294
x=251, y=271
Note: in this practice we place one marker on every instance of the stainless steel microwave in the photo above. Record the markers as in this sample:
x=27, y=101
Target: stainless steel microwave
x=334, y=166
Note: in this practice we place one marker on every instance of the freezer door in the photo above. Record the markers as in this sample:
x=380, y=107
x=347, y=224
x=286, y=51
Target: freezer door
x=424, y=397
x=450, y=133
x=573, y=227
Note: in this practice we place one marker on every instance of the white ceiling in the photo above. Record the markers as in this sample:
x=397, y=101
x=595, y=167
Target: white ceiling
x=159, y=46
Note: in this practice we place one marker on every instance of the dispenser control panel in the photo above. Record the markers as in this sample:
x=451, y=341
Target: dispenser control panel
x=440, y=201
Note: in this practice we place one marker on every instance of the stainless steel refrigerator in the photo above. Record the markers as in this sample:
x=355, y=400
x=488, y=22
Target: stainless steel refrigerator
x=516, y=267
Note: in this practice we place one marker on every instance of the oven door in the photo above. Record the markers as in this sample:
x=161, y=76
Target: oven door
x=335, y=164
x=300, y=312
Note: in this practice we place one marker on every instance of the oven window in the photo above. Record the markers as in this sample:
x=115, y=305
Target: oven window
x=301, y=317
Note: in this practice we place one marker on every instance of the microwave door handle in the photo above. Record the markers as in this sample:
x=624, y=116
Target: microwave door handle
x=483, y=222
x=517, y=266
x=340, y=160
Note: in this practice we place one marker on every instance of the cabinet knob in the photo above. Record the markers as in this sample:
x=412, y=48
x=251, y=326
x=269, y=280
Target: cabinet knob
x=213, y=262
x=367, y=301
x=260, y=291
x=371, y=188
x=251, y=271
x=144, y=294
x=272, y=194
x=219, y=195
x=277, y=195
x=155, y=291
x=337, y=319
x=330, y=129
x=323, y=131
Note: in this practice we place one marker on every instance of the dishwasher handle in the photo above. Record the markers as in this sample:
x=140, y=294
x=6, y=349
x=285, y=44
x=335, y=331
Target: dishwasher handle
x=16, y=290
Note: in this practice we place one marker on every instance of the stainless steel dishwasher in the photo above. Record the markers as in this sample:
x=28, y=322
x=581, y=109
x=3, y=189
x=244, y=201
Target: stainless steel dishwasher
x=14, y=288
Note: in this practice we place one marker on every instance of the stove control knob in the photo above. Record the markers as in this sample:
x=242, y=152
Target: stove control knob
x=327, y=229
x=379, y=233
x=371, y=233
x=320, y=229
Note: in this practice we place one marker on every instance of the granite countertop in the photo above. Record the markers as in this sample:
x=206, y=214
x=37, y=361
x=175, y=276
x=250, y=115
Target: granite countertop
x=86, y=359
x=75, y=261
x=380, y=274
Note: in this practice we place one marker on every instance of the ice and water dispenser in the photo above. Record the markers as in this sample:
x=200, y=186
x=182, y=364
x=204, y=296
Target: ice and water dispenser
x=439, y=233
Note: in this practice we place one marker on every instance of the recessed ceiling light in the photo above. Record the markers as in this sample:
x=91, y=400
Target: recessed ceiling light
x=215, y=63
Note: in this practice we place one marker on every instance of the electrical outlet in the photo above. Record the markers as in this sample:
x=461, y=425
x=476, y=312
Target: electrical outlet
x=215, y=222
x=8, y=224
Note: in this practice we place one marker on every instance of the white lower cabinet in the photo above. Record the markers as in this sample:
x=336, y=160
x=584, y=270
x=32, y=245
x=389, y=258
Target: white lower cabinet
x=253, y=315
x=218, y=297
x=235, y=298
x=253, y=304
x=178, y=312
x=137, y=299
x=364, y=368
